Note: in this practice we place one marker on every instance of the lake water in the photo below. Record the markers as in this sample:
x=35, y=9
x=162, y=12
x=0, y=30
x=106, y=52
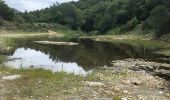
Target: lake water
x=79, y=59
x=30, y=58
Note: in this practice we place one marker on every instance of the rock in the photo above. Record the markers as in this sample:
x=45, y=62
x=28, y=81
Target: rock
x=126, y=82
x=8, y=48
x=124, y=98
x=131, y=81
x=140, y=97
x=12, y=77
x=154, y=68
x=94, y=83
x=117, y=89
x=57, y=43
x=161, y=92
x=163, y=73
x=136, y=82
x=165, y=59
x=39, y=82
x=167, y=94
x=125, y=91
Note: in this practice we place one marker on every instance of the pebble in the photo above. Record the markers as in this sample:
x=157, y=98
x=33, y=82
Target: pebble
x=39, y=82
x=125, y=91
x=117, y=89
x=161, y=92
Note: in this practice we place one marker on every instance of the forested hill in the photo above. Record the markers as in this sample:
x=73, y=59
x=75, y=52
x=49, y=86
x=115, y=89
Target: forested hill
x=101, y=16
x=9, y=14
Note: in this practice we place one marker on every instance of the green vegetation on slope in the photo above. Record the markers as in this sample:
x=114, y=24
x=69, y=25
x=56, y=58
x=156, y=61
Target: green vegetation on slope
x=100, y=16
x=95, y=16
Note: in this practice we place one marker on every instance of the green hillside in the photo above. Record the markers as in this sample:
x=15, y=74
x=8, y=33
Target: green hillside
x=98, y=16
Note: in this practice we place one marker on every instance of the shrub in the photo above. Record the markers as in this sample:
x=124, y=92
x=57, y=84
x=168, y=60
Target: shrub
x=159, y=20
x=130, y=25
x=1, y=21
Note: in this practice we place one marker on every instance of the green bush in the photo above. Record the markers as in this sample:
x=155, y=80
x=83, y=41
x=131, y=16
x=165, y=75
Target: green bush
x=159, y=20
x=130, y=25
x=1, y=21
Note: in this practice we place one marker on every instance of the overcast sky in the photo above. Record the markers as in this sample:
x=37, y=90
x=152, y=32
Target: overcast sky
x=31, y=5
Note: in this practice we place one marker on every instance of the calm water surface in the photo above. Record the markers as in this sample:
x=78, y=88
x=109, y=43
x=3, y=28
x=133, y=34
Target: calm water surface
x=29, y=58
x=78, y=59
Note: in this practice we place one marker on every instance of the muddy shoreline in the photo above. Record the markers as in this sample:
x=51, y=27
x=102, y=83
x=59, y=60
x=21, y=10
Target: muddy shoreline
x=129, y=79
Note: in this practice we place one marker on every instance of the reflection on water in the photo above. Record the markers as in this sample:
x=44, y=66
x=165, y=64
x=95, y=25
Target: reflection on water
x=87, y=55
x=32, y=58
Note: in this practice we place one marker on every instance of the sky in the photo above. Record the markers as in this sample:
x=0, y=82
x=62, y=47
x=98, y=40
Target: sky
x=30, y=5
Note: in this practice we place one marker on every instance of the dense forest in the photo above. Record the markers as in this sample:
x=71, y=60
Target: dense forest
x=97, y=16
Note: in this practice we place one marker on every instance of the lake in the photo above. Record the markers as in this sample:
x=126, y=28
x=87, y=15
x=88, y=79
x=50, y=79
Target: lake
x=78, y=59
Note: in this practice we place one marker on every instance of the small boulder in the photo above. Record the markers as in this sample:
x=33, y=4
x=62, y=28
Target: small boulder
x=94, y=83
x=12, y=77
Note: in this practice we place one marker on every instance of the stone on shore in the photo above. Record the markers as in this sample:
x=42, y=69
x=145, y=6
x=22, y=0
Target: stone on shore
x=12, y=77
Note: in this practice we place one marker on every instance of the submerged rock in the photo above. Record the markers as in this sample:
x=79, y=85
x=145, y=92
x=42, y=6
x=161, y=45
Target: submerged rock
x=56, y=43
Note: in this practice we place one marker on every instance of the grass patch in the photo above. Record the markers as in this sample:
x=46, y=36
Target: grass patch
x=37, y=73
x=165, y=52
x=132, y=40
x=143, y=43
x=117, y=97
x=39, y=83
x=2, y=58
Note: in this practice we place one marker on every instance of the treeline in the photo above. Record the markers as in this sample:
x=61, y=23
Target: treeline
x=9, y=16
x=101, y=16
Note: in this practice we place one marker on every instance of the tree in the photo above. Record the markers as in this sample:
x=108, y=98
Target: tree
x=88, y=25
x=98, y=16
x=67, y=14
x=5, y=12
x=159, y=20
x=1, y=21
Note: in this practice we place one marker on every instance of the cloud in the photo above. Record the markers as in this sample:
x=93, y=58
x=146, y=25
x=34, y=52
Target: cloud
x=30, y=5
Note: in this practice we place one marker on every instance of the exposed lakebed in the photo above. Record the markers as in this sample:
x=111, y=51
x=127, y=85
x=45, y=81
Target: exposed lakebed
x=78, y=59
